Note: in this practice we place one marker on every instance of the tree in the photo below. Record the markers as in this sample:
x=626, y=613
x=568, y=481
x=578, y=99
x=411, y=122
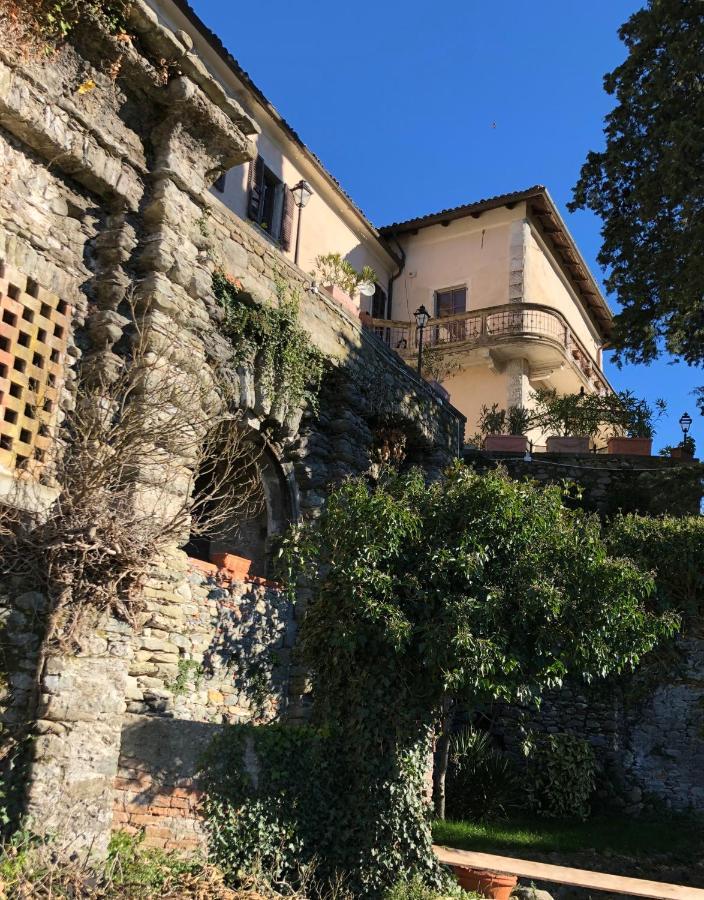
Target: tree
x=647, y=185
x=476, y=587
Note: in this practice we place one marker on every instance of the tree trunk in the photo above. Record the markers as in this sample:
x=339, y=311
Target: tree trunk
x=442, y=757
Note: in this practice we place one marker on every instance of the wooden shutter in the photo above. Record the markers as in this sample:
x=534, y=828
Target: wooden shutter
x=256, y=180
x=287, y=219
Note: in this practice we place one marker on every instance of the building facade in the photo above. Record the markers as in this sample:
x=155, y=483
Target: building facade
x=513, y=304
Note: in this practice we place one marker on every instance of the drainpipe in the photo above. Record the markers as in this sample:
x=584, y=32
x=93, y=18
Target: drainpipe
x=390, y=291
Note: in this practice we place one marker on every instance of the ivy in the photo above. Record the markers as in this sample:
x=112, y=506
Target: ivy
x=673, y=548
x=188, y=671
x=289, y=366
x=561, y=776
x=278, y=803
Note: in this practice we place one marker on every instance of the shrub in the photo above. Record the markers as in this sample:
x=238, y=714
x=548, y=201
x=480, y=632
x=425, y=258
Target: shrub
x=561, y=776
x=415, y=889
x=481, y=781
x=672, y=548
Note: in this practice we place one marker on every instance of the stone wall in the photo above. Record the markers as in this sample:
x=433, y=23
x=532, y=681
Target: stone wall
x=106, y=203
x=647, y=730
x=651, y=485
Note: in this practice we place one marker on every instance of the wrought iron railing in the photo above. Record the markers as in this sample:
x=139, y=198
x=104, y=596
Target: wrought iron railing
x=483, y=327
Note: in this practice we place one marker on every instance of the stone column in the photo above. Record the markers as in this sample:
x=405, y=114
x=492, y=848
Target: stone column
x=81, y=707
x=517, y=382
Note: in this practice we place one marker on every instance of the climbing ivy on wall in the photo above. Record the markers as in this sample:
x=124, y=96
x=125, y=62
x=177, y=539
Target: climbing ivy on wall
x=673, y=548
x=288, y=365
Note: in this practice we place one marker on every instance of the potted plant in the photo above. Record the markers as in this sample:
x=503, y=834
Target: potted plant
x=341, y=280
x=636, y=418
x=504, y=430
x=573, y=419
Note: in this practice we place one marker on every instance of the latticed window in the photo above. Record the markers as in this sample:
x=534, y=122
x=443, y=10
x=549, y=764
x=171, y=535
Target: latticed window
x=33, y=338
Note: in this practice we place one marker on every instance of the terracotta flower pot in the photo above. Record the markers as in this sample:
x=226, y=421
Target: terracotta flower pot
x=681, y=453
x=635, y=446
x=556, y=444
x=236, y=566
x=489, y=884
x=508, y=443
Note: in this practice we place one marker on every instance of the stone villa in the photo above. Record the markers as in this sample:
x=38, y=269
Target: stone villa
x=135, y=168
x=513, y=303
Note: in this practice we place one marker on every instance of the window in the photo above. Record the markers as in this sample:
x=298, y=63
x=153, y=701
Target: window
x=450, y=302
x=270, y=203
x=379, y=303
x=220, y=183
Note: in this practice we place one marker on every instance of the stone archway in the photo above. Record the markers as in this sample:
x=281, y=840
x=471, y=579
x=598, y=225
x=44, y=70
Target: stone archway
x=250, y=529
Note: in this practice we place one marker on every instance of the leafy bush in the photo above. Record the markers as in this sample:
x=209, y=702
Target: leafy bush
x=278, y=807
x=476, y=586
x=494, y=420
x=481, y=781
x=673, y=548
x=415, y=889
x=567, y=415
x=561, y=776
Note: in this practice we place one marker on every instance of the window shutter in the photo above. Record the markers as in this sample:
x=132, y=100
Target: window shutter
x=256, y=180
x=287, y=219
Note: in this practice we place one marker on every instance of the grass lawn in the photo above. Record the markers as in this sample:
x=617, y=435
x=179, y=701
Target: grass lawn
x=675, y=836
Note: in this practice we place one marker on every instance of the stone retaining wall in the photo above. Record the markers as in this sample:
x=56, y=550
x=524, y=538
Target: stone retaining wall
x=651, y=485
x=106, y=204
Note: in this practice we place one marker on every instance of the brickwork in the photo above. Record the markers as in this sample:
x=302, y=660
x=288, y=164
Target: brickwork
x=167, y=816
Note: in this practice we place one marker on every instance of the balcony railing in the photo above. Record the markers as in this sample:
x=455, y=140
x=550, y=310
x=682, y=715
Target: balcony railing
x=489, y=326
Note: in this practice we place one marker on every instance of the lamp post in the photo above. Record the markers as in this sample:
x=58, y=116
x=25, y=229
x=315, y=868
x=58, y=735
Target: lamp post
x=422, y=317
x=685, y=424
x=302, y=192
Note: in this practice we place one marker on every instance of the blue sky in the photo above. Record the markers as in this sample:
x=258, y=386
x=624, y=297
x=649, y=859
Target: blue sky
x=419, y=106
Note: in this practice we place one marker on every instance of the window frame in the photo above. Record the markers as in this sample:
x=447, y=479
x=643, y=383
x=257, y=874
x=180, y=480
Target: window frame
x=450, y=290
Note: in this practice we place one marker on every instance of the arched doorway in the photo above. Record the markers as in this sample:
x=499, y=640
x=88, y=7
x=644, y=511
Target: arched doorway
x=242, y=499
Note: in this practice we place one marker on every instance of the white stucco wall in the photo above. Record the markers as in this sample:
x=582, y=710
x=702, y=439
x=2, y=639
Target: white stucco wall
x=544, y=282
x=472, y=252
x=330, y=223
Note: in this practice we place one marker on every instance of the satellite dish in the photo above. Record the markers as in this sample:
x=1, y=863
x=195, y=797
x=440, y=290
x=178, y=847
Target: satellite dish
x=367, y=289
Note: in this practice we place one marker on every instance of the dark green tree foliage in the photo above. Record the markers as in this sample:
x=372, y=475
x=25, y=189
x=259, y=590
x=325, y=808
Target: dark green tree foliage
x=477, y=586
x=672, y=548
x=647, y=185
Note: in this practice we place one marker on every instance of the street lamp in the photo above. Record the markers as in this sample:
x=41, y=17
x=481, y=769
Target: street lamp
x=685, y=424
x=422, y=317
x=302, y=192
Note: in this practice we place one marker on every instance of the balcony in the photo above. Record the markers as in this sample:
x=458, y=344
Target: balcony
x=496, y=334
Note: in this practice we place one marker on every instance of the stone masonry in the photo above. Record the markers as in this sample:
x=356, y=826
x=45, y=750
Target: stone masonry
x=106, y=205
